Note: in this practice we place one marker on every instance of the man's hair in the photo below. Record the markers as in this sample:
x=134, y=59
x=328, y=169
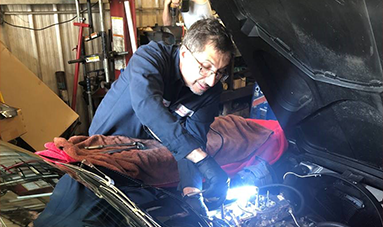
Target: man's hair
x=208, y=31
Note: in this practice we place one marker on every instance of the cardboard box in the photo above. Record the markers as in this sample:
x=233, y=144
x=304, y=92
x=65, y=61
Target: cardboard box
x=11, y=128
x=45, y=115
x=239, y=83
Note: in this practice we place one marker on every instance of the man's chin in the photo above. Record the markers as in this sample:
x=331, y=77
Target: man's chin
x=196, y=92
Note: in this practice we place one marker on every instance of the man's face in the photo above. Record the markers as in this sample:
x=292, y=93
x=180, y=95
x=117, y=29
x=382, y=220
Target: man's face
x=203, y=70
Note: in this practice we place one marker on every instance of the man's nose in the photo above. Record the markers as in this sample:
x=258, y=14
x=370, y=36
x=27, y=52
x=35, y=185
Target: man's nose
x=210, y=80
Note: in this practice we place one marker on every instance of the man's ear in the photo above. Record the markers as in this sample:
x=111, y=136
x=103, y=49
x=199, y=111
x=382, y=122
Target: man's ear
x=182, y=51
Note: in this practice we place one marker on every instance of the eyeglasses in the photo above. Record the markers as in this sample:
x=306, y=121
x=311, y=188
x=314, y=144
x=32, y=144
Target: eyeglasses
x=206, y=72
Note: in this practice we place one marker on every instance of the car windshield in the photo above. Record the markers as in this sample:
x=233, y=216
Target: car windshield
x=27, y=183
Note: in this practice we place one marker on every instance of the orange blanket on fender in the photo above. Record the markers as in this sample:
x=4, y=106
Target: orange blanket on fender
x=231, y=139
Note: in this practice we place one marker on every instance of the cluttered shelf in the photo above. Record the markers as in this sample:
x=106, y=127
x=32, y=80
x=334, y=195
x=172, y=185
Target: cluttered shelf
x=229, y=95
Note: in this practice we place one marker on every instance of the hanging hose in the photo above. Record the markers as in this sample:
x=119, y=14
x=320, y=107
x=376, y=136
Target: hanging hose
x=331, y=224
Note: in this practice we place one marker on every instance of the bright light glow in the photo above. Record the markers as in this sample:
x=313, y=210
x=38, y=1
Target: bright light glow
x=242, y=193
x=280, y=197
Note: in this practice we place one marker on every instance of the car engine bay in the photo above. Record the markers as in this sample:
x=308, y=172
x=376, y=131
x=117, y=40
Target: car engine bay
x=314, y=197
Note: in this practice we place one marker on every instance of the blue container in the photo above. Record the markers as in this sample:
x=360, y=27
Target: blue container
x=260, y=108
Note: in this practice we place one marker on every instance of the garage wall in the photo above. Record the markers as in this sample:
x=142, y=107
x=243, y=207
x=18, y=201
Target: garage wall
x=149, y=12
x=47, y=51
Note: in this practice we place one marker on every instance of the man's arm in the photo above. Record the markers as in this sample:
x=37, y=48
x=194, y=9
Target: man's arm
x=198, y=9
x=196, y=155
x=166, y=16
x=146, y=92
x=199, y=123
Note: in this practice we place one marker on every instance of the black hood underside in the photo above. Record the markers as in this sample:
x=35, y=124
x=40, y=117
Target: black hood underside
x=319, y=64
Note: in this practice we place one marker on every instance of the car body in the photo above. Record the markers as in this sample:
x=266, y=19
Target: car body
x=319, y=64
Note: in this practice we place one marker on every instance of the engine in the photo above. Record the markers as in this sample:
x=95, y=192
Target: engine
x=246, y=206
x=314, y=197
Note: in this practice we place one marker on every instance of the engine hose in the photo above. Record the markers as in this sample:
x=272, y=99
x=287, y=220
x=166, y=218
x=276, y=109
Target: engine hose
x=287, y=187
x=331, y=224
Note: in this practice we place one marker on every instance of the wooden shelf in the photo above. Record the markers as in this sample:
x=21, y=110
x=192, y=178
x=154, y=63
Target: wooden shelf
x=243, y=71
x=230, y=95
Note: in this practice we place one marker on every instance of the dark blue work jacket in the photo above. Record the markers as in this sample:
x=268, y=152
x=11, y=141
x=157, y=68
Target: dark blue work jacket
x=151, y=94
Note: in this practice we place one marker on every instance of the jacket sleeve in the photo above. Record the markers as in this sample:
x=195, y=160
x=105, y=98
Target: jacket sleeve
x=146, y=90
x=199, y=123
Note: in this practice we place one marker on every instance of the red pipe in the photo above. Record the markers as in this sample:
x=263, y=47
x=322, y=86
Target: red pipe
x=19, y=164
x=5, y=168
x=77, y=69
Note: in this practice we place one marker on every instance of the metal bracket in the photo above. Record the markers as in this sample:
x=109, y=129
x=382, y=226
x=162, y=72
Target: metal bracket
x=353, y=177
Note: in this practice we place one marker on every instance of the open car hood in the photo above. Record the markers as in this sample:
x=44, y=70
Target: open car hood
x=319, y=64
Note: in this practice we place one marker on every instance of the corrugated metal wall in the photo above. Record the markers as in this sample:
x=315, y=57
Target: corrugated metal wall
x=47, y=51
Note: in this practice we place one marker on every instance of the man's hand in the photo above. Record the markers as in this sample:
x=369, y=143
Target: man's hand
x=196, y=202
x=217, y=181
x=175, y=3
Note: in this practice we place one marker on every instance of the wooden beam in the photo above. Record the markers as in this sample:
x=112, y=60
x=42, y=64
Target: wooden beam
x=45, y=12
x=37, y=2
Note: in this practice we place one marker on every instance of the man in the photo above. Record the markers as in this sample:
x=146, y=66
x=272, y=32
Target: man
x=198, y=9
x=172, y=94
